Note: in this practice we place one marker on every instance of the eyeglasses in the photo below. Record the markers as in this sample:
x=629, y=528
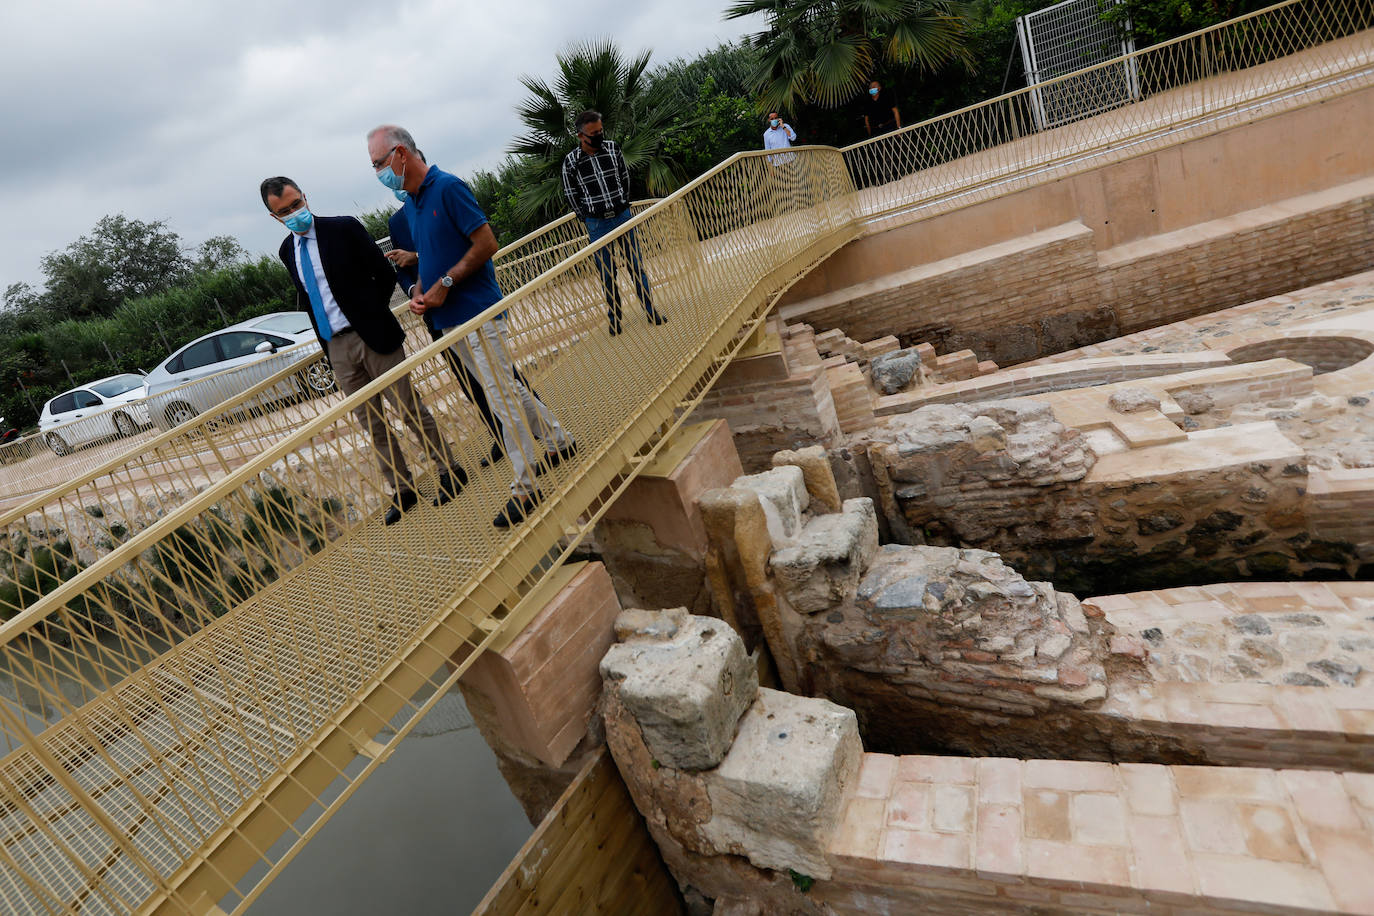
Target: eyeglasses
x=290, y=208
x=378, y=163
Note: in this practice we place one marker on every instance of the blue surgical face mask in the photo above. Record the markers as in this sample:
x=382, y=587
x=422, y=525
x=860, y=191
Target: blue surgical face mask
x=389, y=178
x=299, y=221
x=401, y=194
x=873, y=92
x=775, y=122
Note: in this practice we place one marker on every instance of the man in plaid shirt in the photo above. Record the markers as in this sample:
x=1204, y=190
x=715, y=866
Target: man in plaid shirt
x=597, y=185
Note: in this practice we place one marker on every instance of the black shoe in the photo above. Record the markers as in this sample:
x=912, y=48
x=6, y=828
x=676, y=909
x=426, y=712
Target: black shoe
x=615, y=328
x=655, y=318
x=451, y=483
x=495, y=457
x=517, y=507
x=403, y=502
x=613, y=316
x=554, y=457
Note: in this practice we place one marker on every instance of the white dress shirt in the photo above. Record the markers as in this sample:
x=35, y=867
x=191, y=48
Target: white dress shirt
x=337, y=321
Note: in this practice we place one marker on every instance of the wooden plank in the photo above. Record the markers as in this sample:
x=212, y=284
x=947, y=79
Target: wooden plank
x=591, y=854
x=553, y=832
x=582, y=867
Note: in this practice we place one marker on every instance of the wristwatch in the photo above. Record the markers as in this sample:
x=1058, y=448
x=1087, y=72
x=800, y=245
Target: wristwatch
x=446, y=281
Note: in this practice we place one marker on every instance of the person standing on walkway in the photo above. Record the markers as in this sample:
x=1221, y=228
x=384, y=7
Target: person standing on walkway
x=457, y=282
x=596, y=183
x=780, y=135
x=343, y=281
x=880, y=112
x=403, y=258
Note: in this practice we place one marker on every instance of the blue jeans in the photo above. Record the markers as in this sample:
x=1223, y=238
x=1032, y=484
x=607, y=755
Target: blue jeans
x=605, y=264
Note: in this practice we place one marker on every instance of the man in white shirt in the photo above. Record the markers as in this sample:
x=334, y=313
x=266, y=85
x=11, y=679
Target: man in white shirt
x=780, y=135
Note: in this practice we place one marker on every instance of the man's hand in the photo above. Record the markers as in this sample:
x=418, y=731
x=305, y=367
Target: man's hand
x=417, y=300
x=402, y=258
x=431, y=298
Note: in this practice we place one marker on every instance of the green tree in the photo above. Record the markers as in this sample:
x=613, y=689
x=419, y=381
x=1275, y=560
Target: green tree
x=498, y=193
x=593, y=76
x=218, y=252
x=825, y=53
x=119, y=259
x=712, y=105
x=1153, y=21
x=375, y=222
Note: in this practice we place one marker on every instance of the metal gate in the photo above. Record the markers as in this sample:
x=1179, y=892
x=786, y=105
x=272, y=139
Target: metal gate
x=1070, y=36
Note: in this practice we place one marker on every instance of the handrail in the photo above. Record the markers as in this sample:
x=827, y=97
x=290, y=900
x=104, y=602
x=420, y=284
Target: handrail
x=191, y=695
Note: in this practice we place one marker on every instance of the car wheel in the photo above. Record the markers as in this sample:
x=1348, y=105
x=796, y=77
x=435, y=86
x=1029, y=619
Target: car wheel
x=319, y=377
x=58, y=445
x=124, y=424
x=180, y=412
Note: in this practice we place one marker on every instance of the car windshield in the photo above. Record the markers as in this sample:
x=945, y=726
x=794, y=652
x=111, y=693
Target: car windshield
x=292, y=323
x=117, y=385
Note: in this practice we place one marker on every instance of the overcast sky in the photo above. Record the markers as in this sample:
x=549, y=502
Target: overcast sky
x=174, y=111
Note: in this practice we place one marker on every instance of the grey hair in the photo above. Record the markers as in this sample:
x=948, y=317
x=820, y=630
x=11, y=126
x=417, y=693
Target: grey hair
x=394, y=136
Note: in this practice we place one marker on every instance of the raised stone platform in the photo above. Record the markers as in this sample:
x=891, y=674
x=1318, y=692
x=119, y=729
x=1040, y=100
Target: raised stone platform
x=1001, y=835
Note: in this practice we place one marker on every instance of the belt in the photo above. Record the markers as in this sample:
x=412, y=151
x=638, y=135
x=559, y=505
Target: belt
x=348, y=330
x=610, y=214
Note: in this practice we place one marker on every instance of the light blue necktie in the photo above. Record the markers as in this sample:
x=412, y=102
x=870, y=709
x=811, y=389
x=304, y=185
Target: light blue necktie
x=312, y=288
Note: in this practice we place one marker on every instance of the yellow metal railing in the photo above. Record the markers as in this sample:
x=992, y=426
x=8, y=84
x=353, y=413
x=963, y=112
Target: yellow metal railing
x=1292, y=53
x=191, y=703
x=199, y=688
x=37, y=465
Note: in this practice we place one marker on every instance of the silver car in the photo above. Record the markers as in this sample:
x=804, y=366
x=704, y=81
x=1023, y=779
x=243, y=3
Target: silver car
x=103, y=409
x=212, y=369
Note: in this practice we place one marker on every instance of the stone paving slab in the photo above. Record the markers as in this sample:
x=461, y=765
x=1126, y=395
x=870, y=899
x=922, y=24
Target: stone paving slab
x=1091, y=836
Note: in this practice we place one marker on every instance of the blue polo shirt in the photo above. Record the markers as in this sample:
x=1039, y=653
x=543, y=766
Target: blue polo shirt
x=444, y=213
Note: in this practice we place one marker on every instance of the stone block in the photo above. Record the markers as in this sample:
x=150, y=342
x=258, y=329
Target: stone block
x=893, y=372
x=536, y=693
x=816, y=471
x=686, y=691
x=653, y=538
x=824, y=565
x=1133, y=399
x=782, y=492
x=776, y=798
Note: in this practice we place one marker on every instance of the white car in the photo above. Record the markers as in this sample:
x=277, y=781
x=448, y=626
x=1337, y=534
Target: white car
x=218, y=366
x=101, y=410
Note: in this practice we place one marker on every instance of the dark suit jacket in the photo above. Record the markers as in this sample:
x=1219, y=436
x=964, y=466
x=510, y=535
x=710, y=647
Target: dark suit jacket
x=359, y=275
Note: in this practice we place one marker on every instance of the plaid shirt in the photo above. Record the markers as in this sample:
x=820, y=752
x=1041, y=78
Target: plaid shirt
x=596, y=185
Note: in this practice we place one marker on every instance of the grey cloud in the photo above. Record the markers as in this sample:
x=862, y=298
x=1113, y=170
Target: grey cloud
x=178, y=111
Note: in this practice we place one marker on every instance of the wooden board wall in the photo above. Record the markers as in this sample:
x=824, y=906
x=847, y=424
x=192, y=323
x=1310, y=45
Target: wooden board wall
x=591, y=854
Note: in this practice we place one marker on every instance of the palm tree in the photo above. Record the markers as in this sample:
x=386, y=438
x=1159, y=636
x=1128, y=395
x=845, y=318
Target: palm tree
x=825, y=51
x=595, y=76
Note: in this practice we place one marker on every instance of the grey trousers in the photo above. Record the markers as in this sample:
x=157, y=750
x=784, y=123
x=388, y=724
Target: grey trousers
x=524, y=418
x=355, y=364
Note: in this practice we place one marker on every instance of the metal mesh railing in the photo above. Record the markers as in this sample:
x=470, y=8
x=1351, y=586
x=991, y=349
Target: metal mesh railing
x=1293, y=53
x=209, y=684
x=186, y=706
x=41, y=462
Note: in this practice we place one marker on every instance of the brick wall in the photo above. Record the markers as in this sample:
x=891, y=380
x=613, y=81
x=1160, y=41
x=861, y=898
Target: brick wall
x=1053, y=290
x=771, y=406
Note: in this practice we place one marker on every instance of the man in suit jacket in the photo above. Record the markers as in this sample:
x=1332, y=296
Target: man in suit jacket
x=344, y=282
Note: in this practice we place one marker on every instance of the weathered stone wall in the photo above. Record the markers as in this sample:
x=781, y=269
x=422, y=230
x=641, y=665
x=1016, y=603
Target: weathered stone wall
x=1007, y=476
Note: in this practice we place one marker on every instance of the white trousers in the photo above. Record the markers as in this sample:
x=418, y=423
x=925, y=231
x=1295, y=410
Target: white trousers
x=524, y=418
